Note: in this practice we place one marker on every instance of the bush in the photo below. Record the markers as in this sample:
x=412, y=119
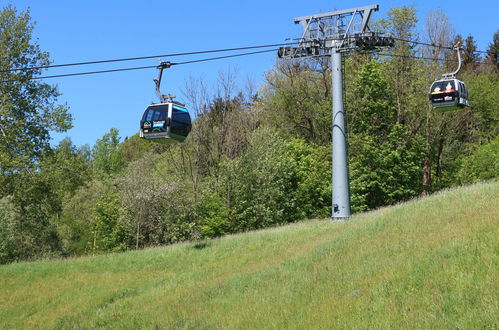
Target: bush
x=385, y=173
x=482, y=165
x=9, y=250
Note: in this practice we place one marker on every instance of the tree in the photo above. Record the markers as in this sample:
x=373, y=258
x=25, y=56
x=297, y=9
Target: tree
x=493, y=51
x=373, y=111
x=470, y=56
x=107, y=156
x=482, y=165
x=297, y=100
x=259, y=186
x=223, y=123
x=151, y=201
x=401, y=23
x=39, y=201
x=64, y=169
x=10, y=231
x=385, y=172
x=439, y=32
x=28, y=108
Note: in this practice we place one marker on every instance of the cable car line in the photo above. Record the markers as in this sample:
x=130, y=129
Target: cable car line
x=95, y=72
x=424, y=58
x=423, y=43
x=192, y=53
x=227, y=56
x=153, y=66
x=146, y=57
x=217, y=58
x=433, y=45
x=201, y=60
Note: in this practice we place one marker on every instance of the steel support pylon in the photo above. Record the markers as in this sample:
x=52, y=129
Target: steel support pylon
x=331, y=34
x=340, y=182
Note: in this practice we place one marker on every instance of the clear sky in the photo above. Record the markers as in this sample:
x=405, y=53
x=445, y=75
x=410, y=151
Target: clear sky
x=87, y=30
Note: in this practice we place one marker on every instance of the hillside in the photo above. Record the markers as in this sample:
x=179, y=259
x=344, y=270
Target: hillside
x=429, y=263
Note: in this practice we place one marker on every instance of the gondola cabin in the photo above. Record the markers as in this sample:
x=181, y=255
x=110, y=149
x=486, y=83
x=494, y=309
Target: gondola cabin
x=449, y=94
x=164, y=122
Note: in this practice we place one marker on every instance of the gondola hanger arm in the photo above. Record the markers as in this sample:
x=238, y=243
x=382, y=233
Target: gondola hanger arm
x=457, y=48
x=162, y=97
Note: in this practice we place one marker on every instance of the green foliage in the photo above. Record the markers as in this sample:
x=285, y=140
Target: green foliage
x=297, y=100
x=9, y=231
x=91, y=220
x=28, y=108
x=484, y=97
x=157, y=205
x=401, y=22
x=108, y=233
x=40, y=201
x=106, y=154
x=75, y=224
x=385, y=173
x=371, y=110
x=482, y=165
x=213, y=214
x=134, y=148
x=470, y=56
x=259, y=184
x=222, y=131
x=493, y=51
x=64, y=169
x=311, y=165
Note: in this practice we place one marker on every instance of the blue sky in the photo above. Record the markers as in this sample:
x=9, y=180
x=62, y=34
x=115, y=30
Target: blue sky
x=74, y=31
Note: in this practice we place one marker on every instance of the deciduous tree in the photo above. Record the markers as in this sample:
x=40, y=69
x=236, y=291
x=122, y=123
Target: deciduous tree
x=28, y=107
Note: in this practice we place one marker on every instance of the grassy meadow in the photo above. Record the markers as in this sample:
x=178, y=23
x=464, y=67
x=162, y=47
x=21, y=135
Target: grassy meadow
x=428, y=263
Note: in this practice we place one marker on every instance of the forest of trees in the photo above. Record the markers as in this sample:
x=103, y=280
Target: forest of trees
x=254, y=158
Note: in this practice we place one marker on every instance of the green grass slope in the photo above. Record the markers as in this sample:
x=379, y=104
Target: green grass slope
x=430, y=263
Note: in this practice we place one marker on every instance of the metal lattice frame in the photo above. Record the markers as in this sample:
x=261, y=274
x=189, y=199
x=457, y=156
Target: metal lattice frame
x=343, y=30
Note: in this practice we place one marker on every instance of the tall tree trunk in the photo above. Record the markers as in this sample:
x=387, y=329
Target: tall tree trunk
x=137, y=239
x=427, y=159
x=400, y=115
x=94, y=244
x=439, y=159
x=426, y=176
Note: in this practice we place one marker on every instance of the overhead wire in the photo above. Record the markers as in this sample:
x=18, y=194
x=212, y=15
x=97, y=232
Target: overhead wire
x=423, y=43
x=194, y=53
x=433, y=45
x=423, y=58
x=147, y=57
x=200, y=60
x=154, y=66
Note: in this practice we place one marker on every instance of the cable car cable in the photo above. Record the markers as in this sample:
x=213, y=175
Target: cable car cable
x=423, y=58
x=433, y=45
x=189, y=53
x=146, y=57
x=196, y=61
x=423, y=43
x=153, y=66
x=216, y=58
x=94, y=72
x=227, y=56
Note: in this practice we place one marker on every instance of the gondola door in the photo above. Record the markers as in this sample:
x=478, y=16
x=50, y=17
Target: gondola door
x=180, y=123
